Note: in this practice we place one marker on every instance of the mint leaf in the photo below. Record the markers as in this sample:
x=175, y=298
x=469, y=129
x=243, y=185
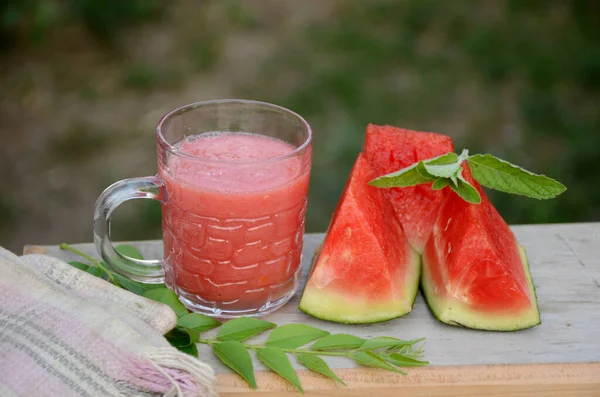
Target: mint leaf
x=403, y=361
x=197, y=322
x=441, y=183
x=338, y=341
x=466, y=191
x=242, y=328
x=80, y=265
x=416, y=174
x=279, y=362
x=318, y=365
x=233, y=354
x=443, y=166
x=425, y=171
x=454, y=179
x=381, y=342
x=129, y=250
x=291, y=336
x=506, y=177
x=442, y=171
x=444, y=159
x=370, y=359
x=166, y=296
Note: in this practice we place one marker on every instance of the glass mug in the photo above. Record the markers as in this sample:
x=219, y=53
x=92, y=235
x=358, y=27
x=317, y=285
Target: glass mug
x=233, y=181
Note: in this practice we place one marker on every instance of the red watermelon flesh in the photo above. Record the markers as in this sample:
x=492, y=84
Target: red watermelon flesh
x=474, y=272
x=366, y=271
x=390, y=149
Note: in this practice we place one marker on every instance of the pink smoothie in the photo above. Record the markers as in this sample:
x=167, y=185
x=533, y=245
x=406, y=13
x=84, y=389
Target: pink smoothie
x=233, y=221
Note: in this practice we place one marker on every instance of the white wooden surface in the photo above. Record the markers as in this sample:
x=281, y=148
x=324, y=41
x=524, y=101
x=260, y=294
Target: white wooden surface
x=565, y=263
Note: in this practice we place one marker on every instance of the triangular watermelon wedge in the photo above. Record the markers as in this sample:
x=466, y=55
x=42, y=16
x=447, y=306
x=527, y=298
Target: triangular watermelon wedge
x=475, y=274
x=366, y=271
x=389, y=149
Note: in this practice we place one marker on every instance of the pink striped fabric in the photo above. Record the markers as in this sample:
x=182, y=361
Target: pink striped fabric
x=66, y=333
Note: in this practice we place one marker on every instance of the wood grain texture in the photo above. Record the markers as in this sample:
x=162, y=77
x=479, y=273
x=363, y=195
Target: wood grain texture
x=565, y=264
x=580, y=379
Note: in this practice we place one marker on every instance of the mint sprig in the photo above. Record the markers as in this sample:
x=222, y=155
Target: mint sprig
x=231, y=346
x=492, y=172
x=501, y=175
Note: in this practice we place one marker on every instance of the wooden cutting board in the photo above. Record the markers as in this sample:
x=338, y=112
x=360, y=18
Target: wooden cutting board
x=561, y=357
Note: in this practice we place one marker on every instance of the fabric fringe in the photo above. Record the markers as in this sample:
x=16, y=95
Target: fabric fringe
x=186, y=375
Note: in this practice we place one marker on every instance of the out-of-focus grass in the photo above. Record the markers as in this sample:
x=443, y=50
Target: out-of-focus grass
x=517, y=79
x=78, y=143
x=26, y=21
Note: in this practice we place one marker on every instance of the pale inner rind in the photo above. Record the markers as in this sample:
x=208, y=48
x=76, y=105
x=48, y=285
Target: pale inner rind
x=451, y=311
x=349, y=307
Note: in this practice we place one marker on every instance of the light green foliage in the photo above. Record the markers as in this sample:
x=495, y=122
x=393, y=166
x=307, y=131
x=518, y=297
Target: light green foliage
x=506, y=177
x=492, y=172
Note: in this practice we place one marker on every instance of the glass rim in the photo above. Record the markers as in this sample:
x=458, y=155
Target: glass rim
x=182, y=109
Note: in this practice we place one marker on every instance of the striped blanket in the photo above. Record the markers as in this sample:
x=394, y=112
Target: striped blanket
x=66, y=333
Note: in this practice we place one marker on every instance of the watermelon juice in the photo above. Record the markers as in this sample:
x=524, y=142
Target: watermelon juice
x=233, y=221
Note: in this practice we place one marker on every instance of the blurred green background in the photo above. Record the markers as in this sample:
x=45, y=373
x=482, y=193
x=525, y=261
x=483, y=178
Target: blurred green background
x=84, y=82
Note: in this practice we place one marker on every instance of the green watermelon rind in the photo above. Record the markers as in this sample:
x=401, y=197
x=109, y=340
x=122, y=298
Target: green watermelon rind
x=340, y=308
x=455, y=313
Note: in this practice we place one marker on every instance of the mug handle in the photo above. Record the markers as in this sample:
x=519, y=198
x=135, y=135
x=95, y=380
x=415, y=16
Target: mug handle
x=142, y=270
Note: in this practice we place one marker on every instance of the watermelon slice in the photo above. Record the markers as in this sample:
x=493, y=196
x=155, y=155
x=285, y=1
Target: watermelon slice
x=474, y=272
x=366, y=271
x=389, y=149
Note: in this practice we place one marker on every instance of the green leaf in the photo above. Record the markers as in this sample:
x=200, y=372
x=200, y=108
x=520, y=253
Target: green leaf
x=197, y=322
x=415, y=174
x=242, y=328
x=338, y=341
x=454, y=180
x=233, y=354
x=80, y=265
x=129, y=250
x=135, y=286
x=318, y=365
x=279, y=362
x=423, y=172
x=403, y=361
x=381, y=342
x=443, y=171
x=370, y=359
x=444, y=159
x=404, y=349
x=291, y=336
x=506, y=177
x=192, y=349
x=182, y=337
x=443, y=166
x=166, y=296
x=466, y=191
x=441, y=183
x=96, y=271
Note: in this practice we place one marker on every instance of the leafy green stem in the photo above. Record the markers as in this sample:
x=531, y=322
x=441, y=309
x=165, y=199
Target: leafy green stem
x=317, y=353
x=296, y=351
x=95, y=262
